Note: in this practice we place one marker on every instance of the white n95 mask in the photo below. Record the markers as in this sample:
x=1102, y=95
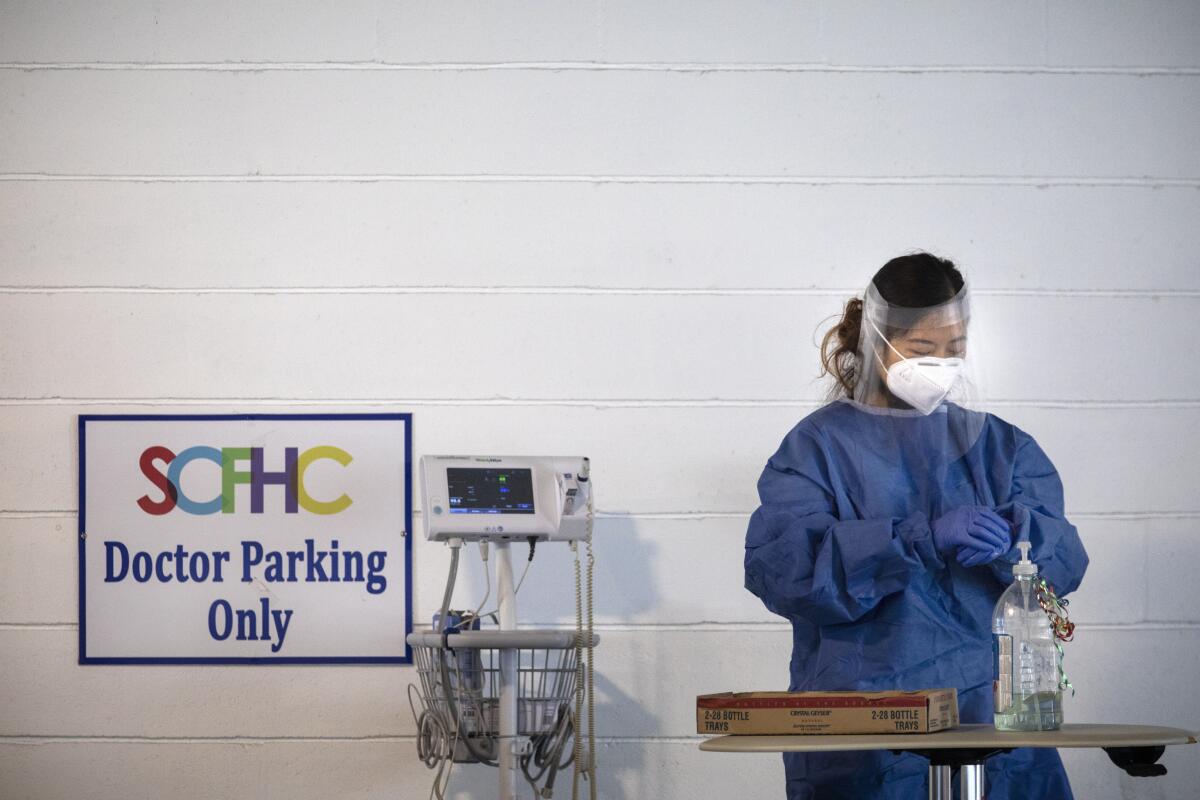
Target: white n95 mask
x=922, y=382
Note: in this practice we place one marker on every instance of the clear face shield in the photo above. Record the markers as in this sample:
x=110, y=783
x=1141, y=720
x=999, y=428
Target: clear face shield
x=916, y=359
x=918, y=383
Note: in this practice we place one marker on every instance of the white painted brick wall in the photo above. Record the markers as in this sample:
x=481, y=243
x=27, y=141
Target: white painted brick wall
x=694, y=187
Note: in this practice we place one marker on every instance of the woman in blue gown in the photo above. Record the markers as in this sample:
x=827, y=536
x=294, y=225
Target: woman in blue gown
x=888, y=525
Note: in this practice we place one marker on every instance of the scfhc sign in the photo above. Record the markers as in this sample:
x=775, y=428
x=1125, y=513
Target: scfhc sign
x=291, y=478
x=245, y=538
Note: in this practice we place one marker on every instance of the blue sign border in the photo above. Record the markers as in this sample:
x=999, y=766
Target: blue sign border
x=408, y=537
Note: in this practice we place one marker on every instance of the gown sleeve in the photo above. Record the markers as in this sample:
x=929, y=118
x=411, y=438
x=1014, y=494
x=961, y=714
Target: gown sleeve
x=1035, y=508
x=802, y=560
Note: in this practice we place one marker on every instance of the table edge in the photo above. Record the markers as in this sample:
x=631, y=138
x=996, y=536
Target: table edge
x=1154, y=736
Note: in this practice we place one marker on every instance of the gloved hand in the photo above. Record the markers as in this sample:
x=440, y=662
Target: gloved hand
x=970, y=557
x=976, y=533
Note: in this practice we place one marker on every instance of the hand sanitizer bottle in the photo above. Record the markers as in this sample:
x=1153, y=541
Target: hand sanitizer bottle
x=1026, y=689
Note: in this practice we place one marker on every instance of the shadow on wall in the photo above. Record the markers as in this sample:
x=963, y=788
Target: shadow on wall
x=624, y=589
x=622, y=766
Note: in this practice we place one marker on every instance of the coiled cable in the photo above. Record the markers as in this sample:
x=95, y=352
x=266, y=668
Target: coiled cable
x=547, y=750
x=483, y=757
x=591, y=700
x=584, y=673
x=579, y=675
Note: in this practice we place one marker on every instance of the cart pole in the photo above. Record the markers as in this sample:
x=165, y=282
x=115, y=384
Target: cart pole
x=508, y=673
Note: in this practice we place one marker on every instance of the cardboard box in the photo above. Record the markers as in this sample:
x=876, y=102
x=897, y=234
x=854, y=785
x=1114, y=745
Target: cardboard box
x=768, y=713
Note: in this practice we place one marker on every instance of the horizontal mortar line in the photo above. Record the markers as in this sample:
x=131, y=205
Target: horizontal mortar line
x=651, y=626
x=1132, y=294
x=55, y=514
x=154, y=402
x=698, y=515
x=683, y=627
x=743, y=403
x=701, y=515
x=438, y=290
x=815, y=180
x=528, y=625
x=1138, y=626
x=1094, y=404
x=637, y=291
x=381, y=738
x=680, y=515
x=595, y=66
x=689, y=740
x=56, y=739
x=1133, y=515
x=39, y=626
x=770, y=625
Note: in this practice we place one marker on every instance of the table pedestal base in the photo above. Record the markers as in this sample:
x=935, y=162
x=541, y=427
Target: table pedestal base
x=970, y=765
x=941, y=782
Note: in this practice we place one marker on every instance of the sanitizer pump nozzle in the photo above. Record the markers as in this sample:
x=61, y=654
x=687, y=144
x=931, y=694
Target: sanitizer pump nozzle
x=1024, y=566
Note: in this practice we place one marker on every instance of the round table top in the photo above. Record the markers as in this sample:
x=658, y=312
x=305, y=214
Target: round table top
x=963, y=737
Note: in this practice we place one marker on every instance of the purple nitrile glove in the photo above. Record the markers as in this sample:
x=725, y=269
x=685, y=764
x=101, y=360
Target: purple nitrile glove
x=970, y=557
x=976, y=529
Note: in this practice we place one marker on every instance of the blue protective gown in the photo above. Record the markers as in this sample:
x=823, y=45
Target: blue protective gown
x=842, y=547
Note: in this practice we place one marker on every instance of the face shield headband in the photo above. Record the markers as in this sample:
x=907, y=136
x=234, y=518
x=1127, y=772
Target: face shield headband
x=883, y=314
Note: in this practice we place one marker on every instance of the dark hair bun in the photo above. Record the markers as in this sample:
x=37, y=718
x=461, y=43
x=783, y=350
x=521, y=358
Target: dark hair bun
x=841, y=359
x=848, y=328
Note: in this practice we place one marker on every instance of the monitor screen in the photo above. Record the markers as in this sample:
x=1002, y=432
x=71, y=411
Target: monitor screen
x=489, y=491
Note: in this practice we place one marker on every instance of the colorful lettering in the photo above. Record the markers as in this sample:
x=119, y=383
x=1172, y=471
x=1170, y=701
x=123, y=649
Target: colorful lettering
x=291, y=478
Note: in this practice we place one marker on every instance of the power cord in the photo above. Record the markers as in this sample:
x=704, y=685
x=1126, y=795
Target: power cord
x=484, y=757
x=584, y=673
x=529, y=562
x=579, y=675
x=487, y=574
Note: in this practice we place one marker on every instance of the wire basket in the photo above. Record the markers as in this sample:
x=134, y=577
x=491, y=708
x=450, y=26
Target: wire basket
x=460, y=679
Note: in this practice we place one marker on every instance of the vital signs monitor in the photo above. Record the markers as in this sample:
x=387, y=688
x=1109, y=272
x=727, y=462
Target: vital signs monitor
x=506, y=497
